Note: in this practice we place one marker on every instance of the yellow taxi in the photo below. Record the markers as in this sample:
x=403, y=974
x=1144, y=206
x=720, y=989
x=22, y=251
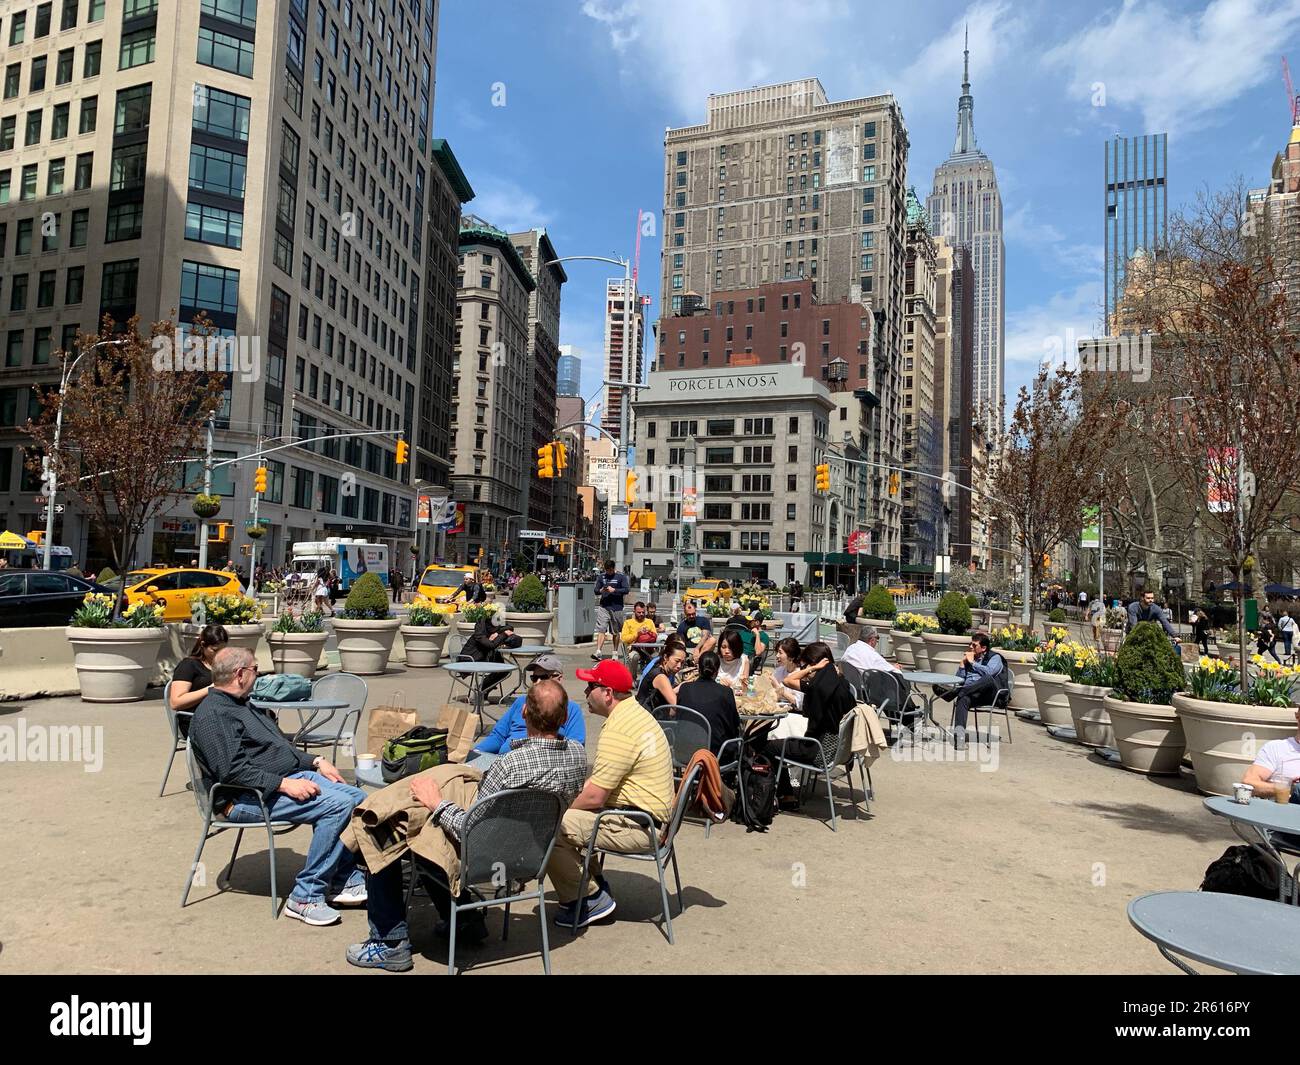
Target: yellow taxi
x=174, y=588
x=709, y=591
x=438, y=582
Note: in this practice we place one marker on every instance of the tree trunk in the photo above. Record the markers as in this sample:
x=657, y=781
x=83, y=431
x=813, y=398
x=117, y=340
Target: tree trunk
x=1238, y=577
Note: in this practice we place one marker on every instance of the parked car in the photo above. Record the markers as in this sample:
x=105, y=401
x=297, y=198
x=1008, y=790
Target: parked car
x=174, y=588
x=707, y=591
x=31, y=598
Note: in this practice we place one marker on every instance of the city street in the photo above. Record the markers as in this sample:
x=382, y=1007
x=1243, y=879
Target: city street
x=1025, y=868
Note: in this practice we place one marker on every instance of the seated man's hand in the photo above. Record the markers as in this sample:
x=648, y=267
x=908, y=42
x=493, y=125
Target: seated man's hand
x=326, y=769
x=297, y=788
x=426, y=792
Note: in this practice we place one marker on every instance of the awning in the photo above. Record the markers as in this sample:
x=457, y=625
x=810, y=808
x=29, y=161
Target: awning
x=11, y=541
x=843, y=558
x=1281, y=590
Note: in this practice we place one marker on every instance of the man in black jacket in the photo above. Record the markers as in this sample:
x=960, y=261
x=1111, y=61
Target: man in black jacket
x=242, y=747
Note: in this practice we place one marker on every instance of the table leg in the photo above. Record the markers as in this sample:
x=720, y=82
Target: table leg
x=1264, y=845
x=1177, y=961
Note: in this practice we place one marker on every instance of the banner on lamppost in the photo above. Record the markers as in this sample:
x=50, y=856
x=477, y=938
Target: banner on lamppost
x=618, y=522
x=1221, y=477
x=859, y=543
x=1091, y=527
x=424, y=510
x=690, y=511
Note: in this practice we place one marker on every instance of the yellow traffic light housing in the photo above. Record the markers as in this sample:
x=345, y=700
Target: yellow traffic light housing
x=220, y=533
x=823, y=478
x=642, y=521
x=403, y=452
x=630, y=496
x=546, y=462
x=259, y=480
x=561, y=456
x=893, y=484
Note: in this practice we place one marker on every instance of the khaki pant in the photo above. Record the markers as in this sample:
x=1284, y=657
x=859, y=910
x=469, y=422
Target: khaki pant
x=620, y=834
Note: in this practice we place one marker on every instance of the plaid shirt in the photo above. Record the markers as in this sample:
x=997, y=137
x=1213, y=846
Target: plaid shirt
x=558, y=766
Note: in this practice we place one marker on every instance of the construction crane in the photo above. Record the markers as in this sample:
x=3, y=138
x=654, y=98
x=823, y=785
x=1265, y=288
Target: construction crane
x=1293, y=102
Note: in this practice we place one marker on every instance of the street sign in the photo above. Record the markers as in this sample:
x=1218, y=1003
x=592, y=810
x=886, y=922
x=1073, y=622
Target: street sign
x=545, y=558
x=532, y=534
x=859, y=543
x=39, y=499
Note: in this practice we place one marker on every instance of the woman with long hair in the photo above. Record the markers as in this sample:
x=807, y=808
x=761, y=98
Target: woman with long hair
x=734, y=668
x=715, y=702
x=321, y=594
x=826, y=699
x=787, y=661
x=192, y=678
x=658, y=684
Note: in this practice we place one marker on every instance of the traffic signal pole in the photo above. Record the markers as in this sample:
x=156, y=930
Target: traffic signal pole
x=207, y=491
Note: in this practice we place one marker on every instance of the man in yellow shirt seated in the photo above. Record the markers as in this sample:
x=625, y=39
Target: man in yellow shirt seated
x=633, y=627
x=633, y=770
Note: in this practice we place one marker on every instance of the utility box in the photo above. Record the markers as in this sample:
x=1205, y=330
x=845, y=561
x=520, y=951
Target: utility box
x=575, y=620
x=1252, y=615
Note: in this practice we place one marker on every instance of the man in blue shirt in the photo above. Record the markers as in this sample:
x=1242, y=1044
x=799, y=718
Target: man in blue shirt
x=610, y=587
x=981, y=670
x=511, y=725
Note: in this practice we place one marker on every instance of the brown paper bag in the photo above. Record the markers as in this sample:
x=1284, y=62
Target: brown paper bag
x=462, y=729
x=387, y=723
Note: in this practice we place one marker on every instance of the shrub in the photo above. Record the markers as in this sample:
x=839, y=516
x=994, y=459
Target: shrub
x=1148, y=669
x=878, y=603
x=367, y=600
x=529, y=596
x=105, y=575
x=1056, y=616
x=972, y=601
x=953, y=614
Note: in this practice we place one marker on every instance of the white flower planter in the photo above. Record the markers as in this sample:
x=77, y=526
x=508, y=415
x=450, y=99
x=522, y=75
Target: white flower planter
x=246, y=636
x=1053, y=705
x=534, y=628
x=424, y=644
x=365, y=646
x=1092, y=725
x=944, y=653
x=1223, y=738
x=1149, y=737
x=1023, y=694
x=902, y=646
x=114, y=665
x=296, y=652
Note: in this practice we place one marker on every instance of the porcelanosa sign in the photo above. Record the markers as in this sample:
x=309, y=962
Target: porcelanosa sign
x=744, y=382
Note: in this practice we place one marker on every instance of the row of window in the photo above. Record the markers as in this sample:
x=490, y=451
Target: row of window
x=42, y=345
x=68, y=12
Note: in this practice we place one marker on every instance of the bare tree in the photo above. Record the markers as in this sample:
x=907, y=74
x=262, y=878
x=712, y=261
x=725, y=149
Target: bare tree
x=130, y=420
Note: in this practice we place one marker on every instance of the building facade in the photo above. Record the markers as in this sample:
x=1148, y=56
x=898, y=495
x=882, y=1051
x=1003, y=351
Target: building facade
x=1137, y=208
x=965, y=207
x=568, y=372
x=281, y=193
x=781, y=185
x=616, y=323
x=922, y=447
x=492, y=455
x=953, y=407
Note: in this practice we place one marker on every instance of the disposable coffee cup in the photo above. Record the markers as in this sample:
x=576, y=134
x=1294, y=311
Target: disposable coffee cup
x=1242, y=793
x=367, y=762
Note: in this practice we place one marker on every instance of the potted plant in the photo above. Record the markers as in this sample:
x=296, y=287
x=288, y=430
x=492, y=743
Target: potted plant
x=206, y=506
x=254, y=530
x=1049, y=676
x=365, y=628
x=240, y=616
x=879, y=608
x=1019, y=647
x=529, y=615
x=1225, y=722
x=1112, y=633
x=999, y=613
x=425, y=632
x=945, y=649
x=297, y=642
x=1148, y=732
x=909, y=649
x=115, y=658
x=1092, y=675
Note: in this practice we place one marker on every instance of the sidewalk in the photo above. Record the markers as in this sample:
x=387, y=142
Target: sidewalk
x=1023, y=864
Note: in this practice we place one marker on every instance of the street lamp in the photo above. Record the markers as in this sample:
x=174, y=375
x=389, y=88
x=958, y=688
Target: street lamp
x=51, y=471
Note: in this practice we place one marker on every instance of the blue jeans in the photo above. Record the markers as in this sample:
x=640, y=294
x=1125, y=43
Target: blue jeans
x=386, y=905
x=329, y=863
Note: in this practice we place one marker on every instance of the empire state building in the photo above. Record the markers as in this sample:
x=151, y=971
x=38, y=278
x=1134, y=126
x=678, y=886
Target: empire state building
x=966, y=208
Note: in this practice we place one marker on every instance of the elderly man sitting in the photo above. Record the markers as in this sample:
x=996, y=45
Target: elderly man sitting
x=237, y=744
x=541, y=759
x=862, y=655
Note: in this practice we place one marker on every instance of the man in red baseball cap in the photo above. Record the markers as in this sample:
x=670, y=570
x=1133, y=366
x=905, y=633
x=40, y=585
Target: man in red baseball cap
x=633, y=769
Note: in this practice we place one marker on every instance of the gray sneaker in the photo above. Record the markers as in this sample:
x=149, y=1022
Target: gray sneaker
x=376, y=954
x=312, y=913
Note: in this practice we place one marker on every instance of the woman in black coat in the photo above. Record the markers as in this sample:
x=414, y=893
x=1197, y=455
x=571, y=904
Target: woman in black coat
x=826, y=699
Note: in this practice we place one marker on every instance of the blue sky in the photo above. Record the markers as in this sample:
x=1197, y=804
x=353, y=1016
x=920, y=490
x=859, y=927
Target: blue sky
x=557, y=110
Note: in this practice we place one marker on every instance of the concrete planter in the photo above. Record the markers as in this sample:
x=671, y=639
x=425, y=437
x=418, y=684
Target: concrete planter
x=920, y=653
x=901, y=642
x=365, y=646
x=1223, y=738
x=1112, y=640
x=1053, y=706
x=1091, y=721
x=943, y=652
x=534, y=628
x=1023, y=695
x=114, y=665
x=424, y=644
x=1149, y=736
x=998, y=619
x=296, y=652
x=247, y=636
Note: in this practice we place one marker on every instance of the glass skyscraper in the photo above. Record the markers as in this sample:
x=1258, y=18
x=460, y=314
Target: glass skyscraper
x=1137, y=206
x=568, y=377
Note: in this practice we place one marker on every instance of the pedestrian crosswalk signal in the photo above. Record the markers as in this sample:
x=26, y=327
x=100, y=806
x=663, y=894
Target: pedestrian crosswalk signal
x=259, y=481
x=546, y=462
x=823, y=478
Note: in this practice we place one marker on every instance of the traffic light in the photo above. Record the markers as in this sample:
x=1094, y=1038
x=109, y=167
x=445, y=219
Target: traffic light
x=630, y=497
x=259, y=481
x=220, y=533
x=1047, y=562
x=642, y=521
x=561, y=456
x=823, y=478
x=403, y=451
x=546, y=462
x=893, y=484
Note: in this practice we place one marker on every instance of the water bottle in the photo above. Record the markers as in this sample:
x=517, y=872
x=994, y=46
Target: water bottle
x=752, y=688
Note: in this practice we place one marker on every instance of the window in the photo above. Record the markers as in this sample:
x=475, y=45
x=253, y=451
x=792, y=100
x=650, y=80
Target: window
x=69, y=17
x=59, y=122
x=54, y=180
x=137, y=49
x=5, y=180
x=89, y=115
x=209, y=288
x=96, y=12
x=220, y=112
x=85, y=169
x=41, y=350
x=225, y=52
x=18, y=28
x=133, y=109
x=118, y=285
x=128, y=167
x=7, y=132
x=13, y=356
x=36, y=80
x=214, y=170
x=43, y=21
x=80, y=228
x=90, y=63
x=241, y=12
x=63, y=69
x=75, y=286
x=13, y=72
x=45, y=289
x=28, y=191
x=32, y=134
x=124, y=221
x=213, y=225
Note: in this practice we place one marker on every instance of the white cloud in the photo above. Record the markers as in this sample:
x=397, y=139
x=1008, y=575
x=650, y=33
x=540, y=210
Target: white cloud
x=621, y=20
x=1049, y=245
x=1179, y=69
x=507, y=206
x=1045, y=332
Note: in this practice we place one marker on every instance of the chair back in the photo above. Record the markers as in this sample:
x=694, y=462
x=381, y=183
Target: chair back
x=844, y=746
x=201, y=797
x=686, y=730
x=172, y=724
x=880, y=689
x=508, y=837
x=338, y=687
x=853, y=675
x=685, y=796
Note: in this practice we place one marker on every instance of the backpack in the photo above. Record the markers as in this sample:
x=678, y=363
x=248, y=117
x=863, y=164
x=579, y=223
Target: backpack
x=1244, y=871
x=756, y=782
x=413, y=752
x=282, y=688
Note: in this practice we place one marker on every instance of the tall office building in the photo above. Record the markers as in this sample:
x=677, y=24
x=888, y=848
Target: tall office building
x=922, y=446
x=953, y=384
x=541, y=357
x=965, y=208
x=615, y=347
x=568, y=372
x=1137, y=207
x=264, y=164
x=781, y=185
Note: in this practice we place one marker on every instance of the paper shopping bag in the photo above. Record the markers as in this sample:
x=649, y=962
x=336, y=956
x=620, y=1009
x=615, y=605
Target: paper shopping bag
x=462, y=729
x=387, y=723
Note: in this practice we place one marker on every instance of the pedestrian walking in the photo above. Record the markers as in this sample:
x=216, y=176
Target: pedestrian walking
x=1287, y=628
x=1201, y=630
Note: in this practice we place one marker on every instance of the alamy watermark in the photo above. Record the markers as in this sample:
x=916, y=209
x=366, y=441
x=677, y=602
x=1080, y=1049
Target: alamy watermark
x=1129, y=355
x=21, y=742
x=240, y=355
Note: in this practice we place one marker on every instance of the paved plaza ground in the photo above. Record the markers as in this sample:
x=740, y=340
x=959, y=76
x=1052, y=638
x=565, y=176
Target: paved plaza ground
x=1021, y=865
